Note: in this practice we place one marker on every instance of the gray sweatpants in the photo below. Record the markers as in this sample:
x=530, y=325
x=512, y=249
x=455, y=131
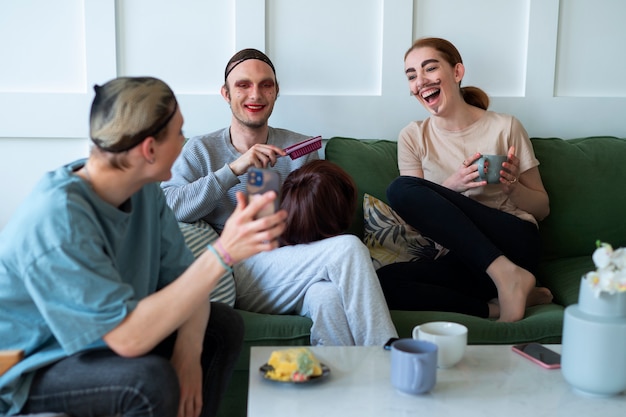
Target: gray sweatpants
x=332, y=281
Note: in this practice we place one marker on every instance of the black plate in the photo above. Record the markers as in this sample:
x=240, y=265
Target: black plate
x=325, y=373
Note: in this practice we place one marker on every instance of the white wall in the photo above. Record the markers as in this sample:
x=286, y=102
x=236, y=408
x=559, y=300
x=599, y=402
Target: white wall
x=554, y=64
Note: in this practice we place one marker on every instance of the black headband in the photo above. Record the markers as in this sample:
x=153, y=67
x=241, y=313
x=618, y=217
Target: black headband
x=129, y=142
x=244, y=55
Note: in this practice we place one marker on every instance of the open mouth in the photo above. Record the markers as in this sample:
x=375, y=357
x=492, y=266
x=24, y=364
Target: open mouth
x=431, y=95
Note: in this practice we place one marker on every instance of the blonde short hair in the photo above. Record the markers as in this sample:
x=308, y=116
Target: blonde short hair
x=127, y=110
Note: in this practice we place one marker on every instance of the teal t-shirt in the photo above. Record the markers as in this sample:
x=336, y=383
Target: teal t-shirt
x=73, y=266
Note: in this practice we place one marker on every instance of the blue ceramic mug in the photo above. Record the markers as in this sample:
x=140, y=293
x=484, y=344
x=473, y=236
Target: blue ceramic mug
x=413, y=365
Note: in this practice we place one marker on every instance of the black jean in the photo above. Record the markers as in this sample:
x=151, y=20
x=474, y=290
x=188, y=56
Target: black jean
x=474, y=234
x=102, y=383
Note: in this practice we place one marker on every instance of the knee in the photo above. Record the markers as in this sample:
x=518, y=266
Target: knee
x=226, y=322
x=151, y=384
x=346, y=246
x=224, y=335
x=401, y=189
x=321, y=293
x=347, y=241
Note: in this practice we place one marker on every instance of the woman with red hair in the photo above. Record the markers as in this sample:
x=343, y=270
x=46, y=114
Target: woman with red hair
x=320, y=199
x=490, y=230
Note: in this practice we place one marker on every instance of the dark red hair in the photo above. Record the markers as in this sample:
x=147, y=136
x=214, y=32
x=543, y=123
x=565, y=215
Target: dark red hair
x=320, y=199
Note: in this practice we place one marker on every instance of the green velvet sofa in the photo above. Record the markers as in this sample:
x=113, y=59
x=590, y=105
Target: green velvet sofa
x=584, y=178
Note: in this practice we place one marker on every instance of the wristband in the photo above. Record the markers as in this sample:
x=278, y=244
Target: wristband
x=226, y=255
x=219, y=258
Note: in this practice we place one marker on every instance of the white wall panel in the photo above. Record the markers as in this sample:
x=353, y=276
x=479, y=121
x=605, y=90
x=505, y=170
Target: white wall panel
x=52, y=53
x=591, y=58
x=491, y=35
x=322, y=53
x=543, y=28
x=56, y=45
x=185, y=43
x=249, y=24
x=355, y=82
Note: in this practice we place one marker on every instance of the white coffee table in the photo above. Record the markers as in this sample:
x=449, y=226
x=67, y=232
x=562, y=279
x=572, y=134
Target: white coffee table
x=489, y=381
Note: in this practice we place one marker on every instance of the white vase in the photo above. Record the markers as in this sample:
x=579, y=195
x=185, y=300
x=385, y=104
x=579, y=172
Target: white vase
x=593, y=357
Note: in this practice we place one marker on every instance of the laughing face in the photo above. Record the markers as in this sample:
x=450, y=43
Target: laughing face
x=432, y=80
x=251, y=93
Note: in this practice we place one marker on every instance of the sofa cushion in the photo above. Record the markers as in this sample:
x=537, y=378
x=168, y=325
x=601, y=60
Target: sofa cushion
x=371, y=163
x=583, y=179
x=272, y=330
x=542, y=324
x=563, y=277
x=390, y=239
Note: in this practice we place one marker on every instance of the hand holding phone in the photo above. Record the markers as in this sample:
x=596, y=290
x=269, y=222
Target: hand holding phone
x=260, y=181
x=539, y=354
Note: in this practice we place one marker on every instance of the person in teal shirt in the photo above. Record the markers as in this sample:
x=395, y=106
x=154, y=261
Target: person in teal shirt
x=97, y=286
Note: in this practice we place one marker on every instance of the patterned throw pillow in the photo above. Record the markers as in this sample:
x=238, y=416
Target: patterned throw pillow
x=198, y=236
x=390, y=239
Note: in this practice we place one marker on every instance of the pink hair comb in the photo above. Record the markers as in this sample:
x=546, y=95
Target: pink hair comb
x=303, y=148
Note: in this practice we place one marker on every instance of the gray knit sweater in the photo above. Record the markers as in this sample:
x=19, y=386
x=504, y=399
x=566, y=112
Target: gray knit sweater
x=203, y=186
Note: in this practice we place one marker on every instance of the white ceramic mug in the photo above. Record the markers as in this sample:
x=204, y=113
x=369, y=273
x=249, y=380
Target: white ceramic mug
x=450, y=337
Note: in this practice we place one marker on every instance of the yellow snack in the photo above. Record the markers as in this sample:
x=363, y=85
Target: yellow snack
x=294, y=364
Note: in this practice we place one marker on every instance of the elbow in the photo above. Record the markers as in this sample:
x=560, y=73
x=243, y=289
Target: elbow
x=128, y=347
x=543, y=213
x=128, y=351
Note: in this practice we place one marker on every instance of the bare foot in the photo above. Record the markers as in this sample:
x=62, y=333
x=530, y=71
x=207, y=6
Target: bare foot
x=539, y=295
x=514, y=294
x=514, y=286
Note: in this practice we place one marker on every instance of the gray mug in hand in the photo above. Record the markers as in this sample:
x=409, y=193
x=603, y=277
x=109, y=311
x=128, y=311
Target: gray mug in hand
x=489, y=167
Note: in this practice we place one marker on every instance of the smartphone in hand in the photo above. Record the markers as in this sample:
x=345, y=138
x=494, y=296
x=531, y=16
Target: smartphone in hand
x=539, y=354
x=260, y=181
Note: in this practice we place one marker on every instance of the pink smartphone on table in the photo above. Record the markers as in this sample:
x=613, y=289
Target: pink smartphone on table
x=539, y=354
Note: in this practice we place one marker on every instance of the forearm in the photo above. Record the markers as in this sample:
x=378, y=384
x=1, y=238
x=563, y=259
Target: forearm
x=190, y=336
x=160, y=314
x=535, y=202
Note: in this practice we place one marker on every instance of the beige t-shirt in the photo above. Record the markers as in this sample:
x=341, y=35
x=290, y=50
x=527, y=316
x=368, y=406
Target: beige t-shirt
x=439, y=153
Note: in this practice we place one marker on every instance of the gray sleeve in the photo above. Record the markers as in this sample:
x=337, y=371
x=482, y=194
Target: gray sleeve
x=204, y=187
x=200, y=180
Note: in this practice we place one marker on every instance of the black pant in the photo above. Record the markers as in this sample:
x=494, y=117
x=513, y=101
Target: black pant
x=475, y=236
x=102, y=383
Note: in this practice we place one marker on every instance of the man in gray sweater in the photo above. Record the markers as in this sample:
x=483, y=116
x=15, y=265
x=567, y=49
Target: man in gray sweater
x=332, y=281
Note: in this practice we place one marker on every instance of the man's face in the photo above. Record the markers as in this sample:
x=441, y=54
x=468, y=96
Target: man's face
x=251, y=93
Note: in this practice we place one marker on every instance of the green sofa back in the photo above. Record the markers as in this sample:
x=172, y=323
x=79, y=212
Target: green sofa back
x=583, y=178
x=372, y=163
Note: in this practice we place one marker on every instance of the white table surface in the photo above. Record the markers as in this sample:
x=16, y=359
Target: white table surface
x=489, y=381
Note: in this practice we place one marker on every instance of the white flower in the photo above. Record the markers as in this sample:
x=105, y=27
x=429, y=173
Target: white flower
x=619, y=258
x=602, y=255
x=610, y=275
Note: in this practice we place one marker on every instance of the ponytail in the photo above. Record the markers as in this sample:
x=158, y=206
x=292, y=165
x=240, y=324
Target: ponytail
x=476, y=97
